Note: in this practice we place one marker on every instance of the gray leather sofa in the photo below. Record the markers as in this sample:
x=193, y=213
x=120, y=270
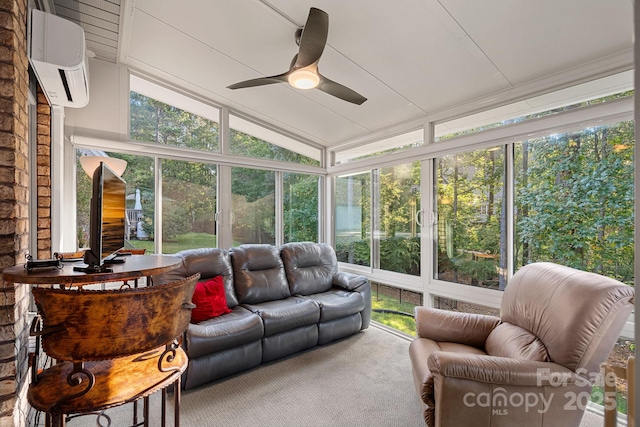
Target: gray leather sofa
x=283, y=300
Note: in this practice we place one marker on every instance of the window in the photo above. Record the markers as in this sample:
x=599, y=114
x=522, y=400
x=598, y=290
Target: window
x=251, y=140
x=397, y=201
x=376, y=222
x=253, y=210
x=139, y=176
x=379, y=148
x=300, y=194
x=471, y=231
x=188, y=205
x=574, y=200
x=155, y=121
x=352, y=218
x=593, y=92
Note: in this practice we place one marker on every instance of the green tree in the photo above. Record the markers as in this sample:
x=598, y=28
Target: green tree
x=578, y=193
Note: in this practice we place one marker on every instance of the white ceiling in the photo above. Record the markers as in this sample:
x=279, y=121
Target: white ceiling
x=412, y=59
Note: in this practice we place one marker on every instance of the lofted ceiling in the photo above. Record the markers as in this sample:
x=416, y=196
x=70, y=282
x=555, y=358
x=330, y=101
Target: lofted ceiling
x=413, y=59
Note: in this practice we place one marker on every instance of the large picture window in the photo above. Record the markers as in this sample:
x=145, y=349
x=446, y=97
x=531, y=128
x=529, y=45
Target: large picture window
x=574, y=200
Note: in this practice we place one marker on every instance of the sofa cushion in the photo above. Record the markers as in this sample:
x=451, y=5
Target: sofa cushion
x=282, y=315
x=512, y=341
x=209, y=300
x=309, y=267
x=258, y=274
x=337, y=303
x=223, y=332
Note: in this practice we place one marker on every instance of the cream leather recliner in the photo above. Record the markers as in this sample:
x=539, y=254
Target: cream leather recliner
x=533, y=366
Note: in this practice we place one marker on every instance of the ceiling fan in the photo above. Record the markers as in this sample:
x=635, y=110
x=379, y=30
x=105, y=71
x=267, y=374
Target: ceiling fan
x=303, y=72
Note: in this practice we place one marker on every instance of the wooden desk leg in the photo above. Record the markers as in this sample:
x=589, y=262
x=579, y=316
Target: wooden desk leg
x=176, y=406
x=135, y=412
x=163, y=420
x=146, y=411
x=58, y=420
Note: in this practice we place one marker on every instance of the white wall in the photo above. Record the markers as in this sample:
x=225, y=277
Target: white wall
x=106, y=114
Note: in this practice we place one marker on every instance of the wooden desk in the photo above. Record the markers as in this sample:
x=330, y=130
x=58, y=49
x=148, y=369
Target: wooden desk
x=124, y=360
x=134, y=267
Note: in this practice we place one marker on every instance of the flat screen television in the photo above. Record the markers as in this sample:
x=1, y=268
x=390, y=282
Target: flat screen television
x=107, y=220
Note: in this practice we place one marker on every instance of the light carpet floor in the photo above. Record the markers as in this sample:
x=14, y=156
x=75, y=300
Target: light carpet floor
x=364, y=380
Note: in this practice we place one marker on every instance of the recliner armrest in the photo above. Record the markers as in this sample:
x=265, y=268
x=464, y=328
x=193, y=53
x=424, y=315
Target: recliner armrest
x=502, y=370
x=451, y=326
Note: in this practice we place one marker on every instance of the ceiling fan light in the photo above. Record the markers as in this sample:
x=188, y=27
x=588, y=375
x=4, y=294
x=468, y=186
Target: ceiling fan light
x=304, y=79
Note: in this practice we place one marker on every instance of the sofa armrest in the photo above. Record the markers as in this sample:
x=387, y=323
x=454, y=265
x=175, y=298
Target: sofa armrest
x=356, y=283
x=349, y=281
x=503, y=370
x=452, y=326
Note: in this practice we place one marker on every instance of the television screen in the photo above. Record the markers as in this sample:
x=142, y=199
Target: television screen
x=107, y=218
x=113, y=212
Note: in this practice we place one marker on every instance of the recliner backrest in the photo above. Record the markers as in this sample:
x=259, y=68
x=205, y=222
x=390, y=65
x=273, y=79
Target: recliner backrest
x=577, y=315
x=309, y=267
x=258, y=273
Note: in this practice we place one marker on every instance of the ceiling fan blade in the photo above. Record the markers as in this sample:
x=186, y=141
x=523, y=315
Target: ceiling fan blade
x=313, y=39
x=260, y=81
x=340, y=91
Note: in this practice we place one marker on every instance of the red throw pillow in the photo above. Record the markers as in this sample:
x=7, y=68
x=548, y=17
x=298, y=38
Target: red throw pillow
x=210, y=300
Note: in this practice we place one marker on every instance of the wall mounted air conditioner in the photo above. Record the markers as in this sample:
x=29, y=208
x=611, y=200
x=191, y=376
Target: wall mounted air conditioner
x=56, y=49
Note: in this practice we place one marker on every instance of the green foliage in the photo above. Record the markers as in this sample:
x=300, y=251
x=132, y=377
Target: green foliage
x=243, y=144
x=155, y=121
x=300, y=208
x=401, y=255
x=479, y=270
x=575, y=200
x=175, y=220
x=354, y=252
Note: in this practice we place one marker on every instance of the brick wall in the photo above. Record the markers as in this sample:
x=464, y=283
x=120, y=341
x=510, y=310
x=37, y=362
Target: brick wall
x=14, y=197
x=44, y=177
